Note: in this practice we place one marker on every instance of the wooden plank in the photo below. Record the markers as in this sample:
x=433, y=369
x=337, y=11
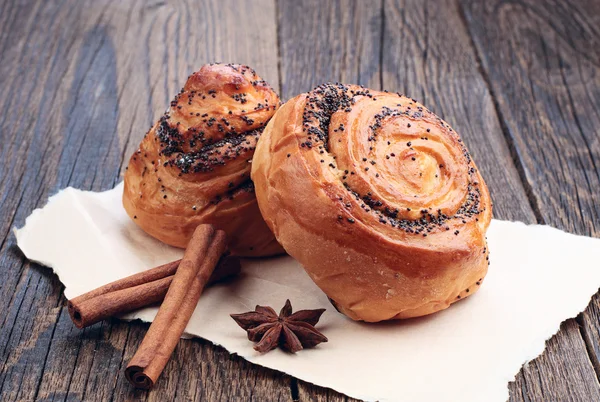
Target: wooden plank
x=558, y=374
x=541, y=60
x=590, y=329
x=34, y=122
x=80, y=83
x=334, y=40
x=308, y=392
x=544, y=72
x=321, y=41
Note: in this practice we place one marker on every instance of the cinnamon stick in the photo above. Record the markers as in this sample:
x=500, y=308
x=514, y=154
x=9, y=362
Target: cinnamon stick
x=199, y=261
x=136, y=291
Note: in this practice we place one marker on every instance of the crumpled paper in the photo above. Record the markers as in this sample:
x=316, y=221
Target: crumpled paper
x=539, y=277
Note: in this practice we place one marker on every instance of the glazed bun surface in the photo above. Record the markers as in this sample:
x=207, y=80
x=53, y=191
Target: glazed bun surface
x=377, y=198
x=193, y=166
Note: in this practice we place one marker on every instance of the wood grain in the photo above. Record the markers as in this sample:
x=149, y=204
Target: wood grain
x=541, y=62
x=86, y=81
x=322, y=41
x=544, y=73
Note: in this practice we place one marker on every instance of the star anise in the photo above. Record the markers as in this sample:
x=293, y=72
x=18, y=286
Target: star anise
x=292, y=332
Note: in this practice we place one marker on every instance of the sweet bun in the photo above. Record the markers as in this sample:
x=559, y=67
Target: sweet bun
x=193, y=166
x=377, y=198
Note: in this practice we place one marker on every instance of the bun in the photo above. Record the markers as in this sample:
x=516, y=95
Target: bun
x=377, y=198
x=193, y=166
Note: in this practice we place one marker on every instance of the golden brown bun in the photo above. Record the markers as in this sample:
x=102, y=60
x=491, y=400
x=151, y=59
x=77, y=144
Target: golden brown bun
x=377, y=198
x=193, y=166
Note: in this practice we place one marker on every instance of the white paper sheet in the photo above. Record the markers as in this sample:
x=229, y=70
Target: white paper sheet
x=539, y=277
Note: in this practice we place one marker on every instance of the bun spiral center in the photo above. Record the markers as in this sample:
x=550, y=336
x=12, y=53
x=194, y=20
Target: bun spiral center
x=405, y=166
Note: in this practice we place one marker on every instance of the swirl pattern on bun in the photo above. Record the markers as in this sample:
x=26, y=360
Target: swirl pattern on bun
x=193, y=165
x=377, y=197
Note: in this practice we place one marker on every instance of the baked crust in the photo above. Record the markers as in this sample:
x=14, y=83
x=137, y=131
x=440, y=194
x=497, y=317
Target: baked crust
x=377, y=198
x=193, y=165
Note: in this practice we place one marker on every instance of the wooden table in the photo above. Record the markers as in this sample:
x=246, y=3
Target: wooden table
x=81, y=81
